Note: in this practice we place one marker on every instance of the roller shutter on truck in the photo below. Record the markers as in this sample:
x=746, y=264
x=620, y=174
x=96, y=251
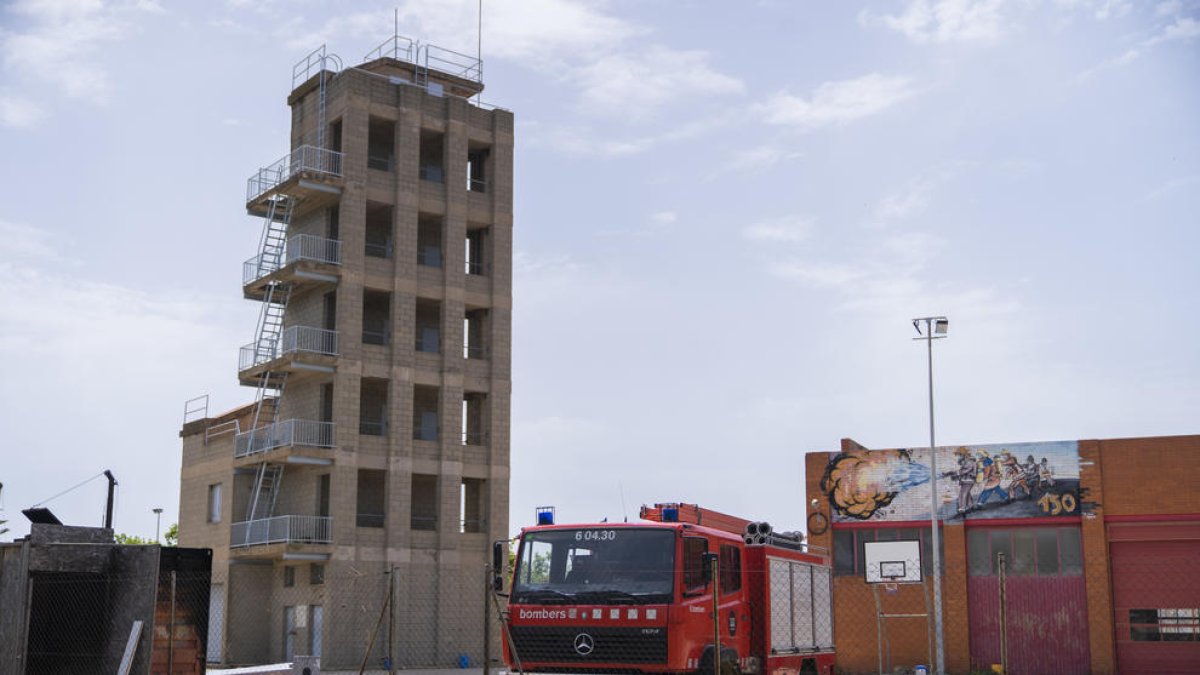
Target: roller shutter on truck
x=800, y=608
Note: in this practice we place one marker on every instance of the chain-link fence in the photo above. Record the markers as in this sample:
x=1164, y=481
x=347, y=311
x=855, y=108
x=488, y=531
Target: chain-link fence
x=86, y=622
x=352, y=615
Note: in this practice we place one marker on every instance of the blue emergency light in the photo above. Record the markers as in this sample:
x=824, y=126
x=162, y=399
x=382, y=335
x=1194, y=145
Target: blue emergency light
x=670, y=514
x=545, y=515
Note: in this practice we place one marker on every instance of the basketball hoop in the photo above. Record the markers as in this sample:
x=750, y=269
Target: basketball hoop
x=891, y=589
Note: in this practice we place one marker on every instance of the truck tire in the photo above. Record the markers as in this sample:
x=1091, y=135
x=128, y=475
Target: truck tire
x=729, y=662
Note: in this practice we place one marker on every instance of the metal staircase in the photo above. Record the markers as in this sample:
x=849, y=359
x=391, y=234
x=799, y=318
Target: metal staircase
x=275, y=191
x=266, y=492
x=273, y=250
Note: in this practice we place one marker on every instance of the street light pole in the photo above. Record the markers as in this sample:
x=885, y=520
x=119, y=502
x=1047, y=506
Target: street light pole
x=936, y=328
x=157, y=522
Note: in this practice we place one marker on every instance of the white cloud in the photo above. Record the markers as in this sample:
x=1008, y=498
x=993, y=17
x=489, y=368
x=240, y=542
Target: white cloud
x=533, y=31
x=944, y=21
x=664, y=217
x=913, y=198
x=1183, y=28
x=900, y=205
x=58, y=46
x=17, y=111
x=1110, y=8
x=784, y=229
x=636, y=85
x=824, y=274
x=588, y=141
x=913, y=249
x=1169, y=8
x=20, y=243
x=838, y=103
x=881, y=274
x=1173, y=185
x=121, y=358
x=577, y=43
x=538, y=33
x=580, y=142
x=756, y=159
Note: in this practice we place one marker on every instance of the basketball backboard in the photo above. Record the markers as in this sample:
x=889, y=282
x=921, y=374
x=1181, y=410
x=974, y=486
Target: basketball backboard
x=890, y=562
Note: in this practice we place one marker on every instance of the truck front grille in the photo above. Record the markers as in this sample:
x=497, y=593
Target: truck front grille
x=558, y=644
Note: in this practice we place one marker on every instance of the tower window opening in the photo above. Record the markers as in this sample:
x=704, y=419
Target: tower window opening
x=381, y=144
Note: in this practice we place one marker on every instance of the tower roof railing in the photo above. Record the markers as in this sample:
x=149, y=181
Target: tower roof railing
x=429, y=57
x=396, y=47
x=316, y=61
x=453, y=63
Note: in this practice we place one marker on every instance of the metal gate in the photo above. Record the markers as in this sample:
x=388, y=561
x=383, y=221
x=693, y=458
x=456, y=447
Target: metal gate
x=1046, y=598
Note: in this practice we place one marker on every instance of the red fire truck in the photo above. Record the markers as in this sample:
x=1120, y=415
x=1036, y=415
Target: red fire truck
x=643, y=597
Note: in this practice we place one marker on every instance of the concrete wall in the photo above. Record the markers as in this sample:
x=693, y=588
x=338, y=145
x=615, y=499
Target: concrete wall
x=14, y=609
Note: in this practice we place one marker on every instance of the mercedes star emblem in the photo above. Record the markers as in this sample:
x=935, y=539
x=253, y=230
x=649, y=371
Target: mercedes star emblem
x=584, y=644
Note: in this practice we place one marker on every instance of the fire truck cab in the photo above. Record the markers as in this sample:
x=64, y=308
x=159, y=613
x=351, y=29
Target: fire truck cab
x=639, y=597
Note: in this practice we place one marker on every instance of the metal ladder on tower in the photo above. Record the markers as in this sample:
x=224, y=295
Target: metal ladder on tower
x=421, y=65
x=273, y=246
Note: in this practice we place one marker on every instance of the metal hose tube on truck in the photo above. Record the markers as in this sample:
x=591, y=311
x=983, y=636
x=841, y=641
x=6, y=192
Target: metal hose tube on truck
x=762, y=534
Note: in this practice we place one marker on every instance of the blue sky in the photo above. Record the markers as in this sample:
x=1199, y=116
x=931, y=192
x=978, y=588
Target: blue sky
x=726, y=215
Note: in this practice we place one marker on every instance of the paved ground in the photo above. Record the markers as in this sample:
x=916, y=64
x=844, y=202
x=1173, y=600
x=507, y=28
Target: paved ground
x=282, y=668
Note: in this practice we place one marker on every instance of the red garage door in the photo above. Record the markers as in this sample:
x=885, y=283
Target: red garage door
x=1046, y=627
x=1156, y=596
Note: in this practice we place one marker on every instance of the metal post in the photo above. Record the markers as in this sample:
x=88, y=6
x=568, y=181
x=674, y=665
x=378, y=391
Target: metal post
x=939, y=666
x=487, y=620
x=108, y=507
x=878, y=627
x=391, y=620
x=1003, y=616
x=716, y=584
x=933, y=501
x=171, y=629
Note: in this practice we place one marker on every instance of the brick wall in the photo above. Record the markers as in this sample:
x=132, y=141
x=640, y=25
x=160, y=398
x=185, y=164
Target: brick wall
x=1151, y=475
x=1095, y=559
x=1142, y=477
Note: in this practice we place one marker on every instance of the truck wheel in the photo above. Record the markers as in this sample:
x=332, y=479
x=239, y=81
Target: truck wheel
x=729, y=662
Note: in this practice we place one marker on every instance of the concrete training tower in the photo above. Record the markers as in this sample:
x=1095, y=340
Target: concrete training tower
x=381, y=362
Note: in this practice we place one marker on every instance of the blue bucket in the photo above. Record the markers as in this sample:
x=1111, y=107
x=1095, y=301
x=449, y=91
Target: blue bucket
x=464, y=661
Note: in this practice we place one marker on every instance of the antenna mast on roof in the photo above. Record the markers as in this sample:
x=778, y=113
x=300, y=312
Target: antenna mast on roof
x=479, y=56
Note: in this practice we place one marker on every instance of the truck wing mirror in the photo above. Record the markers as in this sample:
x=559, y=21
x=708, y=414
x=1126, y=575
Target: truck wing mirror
x=499, y=555
x=707, y=561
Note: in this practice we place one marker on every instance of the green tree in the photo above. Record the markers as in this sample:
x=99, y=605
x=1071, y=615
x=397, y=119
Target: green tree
x=170, y=538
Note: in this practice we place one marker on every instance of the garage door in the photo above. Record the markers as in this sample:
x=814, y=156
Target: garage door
x=1156, y=597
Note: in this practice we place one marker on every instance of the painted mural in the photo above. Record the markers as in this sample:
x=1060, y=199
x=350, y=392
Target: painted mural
x=1016, y=480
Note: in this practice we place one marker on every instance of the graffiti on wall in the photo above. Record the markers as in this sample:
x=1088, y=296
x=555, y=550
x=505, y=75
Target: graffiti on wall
x=1017, y=480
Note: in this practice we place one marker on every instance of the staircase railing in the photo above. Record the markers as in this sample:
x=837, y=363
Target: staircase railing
x=286, y=433
x=281, y=530
x=306, y=159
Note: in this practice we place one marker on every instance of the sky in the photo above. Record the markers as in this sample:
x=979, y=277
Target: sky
x=726, y=216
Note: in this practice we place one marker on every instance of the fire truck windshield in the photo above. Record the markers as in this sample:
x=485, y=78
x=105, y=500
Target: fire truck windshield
x=595, y=566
